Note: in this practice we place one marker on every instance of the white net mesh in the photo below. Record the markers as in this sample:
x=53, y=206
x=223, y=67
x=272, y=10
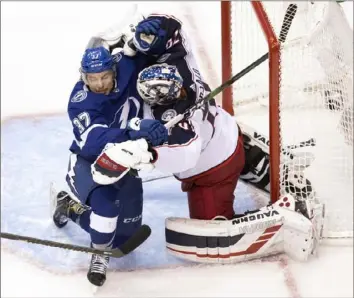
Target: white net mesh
x=316, y=98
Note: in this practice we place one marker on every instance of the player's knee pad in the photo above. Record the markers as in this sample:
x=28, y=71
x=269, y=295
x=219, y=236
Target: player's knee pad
x=102, y=224
x=102, y=229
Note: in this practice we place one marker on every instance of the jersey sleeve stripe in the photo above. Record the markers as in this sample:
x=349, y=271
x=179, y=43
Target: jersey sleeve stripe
x=84, y=136
x=178, y=145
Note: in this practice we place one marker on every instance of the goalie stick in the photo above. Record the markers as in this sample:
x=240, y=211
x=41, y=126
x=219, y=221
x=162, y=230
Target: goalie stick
x=131, y=244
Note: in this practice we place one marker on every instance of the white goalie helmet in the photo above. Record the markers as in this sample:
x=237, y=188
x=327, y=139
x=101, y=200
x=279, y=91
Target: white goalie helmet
x=159, y=84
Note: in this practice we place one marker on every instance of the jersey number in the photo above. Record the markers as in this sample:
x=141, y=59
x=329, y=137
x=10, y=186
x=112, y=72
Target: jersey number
x=82, y=121
x=173, y=40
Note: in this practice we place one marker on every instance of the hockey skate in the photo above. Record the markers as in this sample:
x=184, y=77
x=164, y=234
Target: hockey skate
x=98, y=269
x=66, y=208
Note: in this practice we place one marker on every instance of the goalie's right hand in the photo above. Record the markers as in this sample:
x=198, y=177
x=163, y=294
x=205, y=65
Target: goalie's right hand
x=117, y=159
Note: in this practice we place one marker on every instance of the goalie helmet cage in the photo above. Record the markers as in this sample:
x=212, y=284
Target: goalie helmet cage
x=304, y=91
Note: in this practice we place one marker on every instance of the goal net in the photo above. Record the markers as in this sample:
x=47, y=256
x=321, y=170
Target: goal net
x=301, y=97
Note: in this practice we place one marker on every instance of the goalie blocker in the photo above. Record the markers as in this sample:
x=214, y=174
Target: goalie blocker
x=291, y=226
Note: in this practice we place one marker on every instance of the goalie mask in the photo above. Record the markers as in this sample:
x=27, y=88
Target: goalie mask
x=159, y=84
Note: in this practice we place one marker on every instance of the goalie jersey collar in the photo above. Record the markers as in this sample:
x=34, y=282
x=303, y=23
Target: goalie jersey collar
x=167, y=112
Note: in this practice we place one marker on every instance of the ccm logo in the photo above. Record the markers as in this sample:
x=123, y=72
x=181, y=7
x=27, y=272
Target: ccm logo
x=134, y=219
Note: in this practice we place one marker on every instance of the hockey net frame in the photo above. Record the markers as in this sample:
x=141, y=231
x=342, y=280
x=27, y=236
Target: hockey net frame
x=228, y=95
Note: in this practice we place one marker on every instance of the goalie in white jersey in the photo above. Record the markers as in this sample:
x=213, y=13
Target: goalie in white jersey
x=208, y=178
x=206, y=153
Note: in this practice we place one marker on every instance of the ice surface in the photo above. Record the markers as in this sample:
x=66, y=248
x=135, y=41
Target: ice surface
x=40, y=57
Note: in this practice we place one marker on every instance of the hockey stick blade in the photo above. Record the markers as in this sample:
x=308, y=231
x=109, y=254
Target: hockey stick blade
x=135, y=241
x=132, y=243
x=288, y=19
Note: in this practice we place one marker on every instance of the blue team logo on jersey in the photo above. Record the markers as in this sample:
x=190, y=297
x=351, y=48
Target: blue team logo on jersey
x=117, y=57
x=79, y=96
x=168, y=115
x=163, y=58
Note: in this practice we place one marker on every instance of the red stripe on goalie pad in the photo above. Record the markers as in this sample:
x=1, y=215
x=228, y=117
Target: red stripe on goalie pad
x=265, y=237
x=272, y=229
x=253, y=248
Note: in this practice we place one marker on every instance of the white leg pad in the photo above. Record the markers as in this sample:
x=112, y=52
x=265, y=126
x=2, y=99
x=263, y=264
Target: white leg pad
x=271, y=230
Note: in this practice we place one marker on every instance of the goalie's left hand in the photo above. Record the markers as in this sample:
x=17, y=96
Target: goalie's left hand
x=149, y=34
x=117, y=159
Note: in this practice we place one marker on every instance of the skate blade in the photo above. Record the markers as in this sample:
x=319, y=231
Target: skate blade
x=94, y=289
x=52, y=199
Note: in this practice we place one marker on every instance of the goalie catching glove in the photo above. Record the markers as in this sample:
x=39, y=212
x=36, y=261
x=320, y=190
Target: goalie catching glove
x=117, y=159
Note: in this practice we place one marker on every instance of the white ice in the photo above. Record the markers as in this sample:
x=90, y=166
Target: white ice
x=41, y=46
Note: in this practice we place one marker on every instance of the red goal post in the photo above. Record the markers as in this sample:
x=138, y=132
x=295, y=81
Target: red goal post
x=303, y=92
x=274, y=77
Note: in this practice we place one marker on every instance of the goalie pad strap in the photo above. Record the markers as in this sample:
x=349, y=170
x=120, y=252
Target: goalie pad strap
x=205, y=244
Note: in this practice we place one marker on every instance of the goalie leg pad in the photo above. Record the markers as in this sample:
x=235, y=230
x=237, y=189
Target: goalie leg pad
x=268, y=231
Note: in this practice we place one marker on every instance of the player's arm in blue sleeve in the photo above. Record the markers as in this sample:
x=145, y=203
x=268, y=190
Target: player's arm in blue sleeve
x=91, y=129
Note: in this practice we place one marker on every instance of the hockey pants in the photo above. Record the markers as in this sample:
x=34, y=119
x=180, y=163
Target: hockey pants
x=211, y=193
x=116, y=209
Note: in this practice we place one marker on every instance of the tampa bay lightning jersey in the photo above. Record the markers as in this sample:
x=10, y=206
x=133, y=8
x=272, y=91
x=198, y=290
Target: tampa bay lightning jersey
x=99, y=119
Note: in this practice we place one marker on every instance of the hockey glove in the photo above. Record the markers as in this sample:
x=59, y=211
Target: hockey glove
x=151, y=130
x=117, y=159
x=148, y=35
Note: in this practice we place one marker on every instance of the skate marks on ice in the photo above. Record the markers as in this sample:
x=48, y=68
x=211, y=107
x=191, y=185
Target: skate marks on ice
x=35, y=152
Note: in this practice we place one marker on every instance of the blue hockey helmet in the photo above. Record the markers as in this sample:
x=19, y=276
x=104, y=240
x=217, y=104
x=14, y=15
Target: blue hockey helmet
x=96, y=60
x=159, y=84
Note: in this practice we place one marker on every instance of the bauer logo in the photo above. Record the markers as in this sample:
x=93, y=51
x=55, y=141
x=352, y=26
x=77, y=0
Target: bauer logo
x=168, y=115
x=79, y=96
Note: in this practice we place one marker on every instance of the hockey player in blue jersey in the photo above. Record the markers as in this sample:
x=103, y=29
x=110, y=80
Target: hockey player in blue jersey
x=100, y=108
x=104, y=109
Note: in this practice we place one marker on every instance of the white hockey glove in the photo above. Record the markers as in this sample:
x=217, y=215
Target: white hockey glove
x=119, y=35
x=117, y=159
